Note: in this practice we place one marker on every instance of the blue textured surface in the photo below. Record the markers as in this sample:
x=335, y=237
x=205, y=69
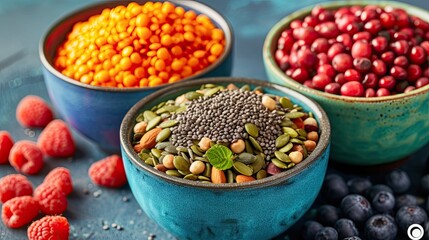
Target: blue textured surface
x=22, y=23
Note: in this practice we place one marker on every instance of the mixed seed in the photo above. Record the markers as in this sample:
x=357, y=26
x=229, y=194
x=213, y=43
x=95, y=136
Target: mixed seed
x=223, y=134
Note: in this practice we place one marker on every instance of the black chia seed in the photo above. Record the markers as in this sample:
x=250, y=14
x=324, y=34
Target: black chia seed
x=222, y=117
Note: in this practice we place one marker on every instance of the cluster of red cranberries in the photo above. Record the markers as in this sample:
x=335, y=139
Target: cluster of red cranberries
x=356, y=51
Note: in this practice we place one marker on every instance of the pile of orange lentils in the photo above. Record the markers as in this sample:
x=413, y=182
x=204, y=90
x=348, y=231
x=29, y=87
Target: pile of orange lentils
x=139, y=46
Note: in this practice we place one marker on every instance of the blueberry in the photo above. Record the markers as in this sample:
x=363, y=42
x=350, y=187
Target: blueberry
x=352, y=238
x=327, y=215
x=383, y=202
x=326, y=233
x=358, y=185
x=380, y=227
x=356, y=208
x=372, y=191
x=405, y=200
x=398, y=180
x=345, y=228
x=310, y=229
x=408, y=215
x=334, y=188
x=424, y=184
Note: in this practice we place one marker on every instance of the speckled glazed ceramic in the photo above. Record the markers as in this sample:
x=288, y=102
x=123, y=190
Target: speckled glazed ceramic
x=365, y=131
x=97, y=112
x=258, y=210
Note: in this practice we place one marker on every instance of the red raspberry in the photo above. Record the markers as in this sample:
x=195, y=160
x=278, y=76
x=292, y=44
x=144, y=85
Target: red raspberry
x=56, y=140
x=26, y=157
x=6, y=143
x=49, y=228
x=51, y=200
x=33, y=111
x=108, y=172
x=14, y=185
x=60, y=178
x=19, y=211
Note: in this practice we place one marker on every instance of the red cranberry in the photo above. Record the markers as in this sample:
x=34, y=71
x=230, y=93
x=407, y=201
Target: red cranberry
x=341, y=12
x=420, y=24
x=340, y=79
x=320, y=81
x=326, y=69
x=309, y=84
x=426, y=72
x=333, y=88
x=289, y=72
x=341, y=62
x=400, y=36
x=300, y=75
x=307, y=34
x=362, y=36
x=343, y=21
x=310, y=21
x=295, y=24
x=398, y=72
x=379, y=44
x=317, y=10
x=326, y=16
x=425, y=46
x=388, y=82
x=421, y=82
x=401, y=61
x=362, y=64
x=306, y=58
x=373, y=7
x=320, y=45
x=361, y=48
x=323, y=58
x=284, y=63
x=401, y=86
x=353, y=28
x=352, y=89
x=297, y=45
x=373, y=26
x=345, y=39
x=285, y=43
x=352, y=75
x=409, y=88
x=400, y=47
x=356, y=10
x=370, y=80
x=327, y=29
x=369, y=92
x=388, y=57
x=414, y=72
x=381, y=92
x=402, y=19
x=368, y=14
x=335, y=49
x=378, y=67
x=418, y=55
x=387, y=20
x=408, y=32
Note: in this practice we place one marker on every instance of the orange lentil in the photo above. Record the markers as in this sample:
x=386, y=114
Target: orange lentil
x=139, y=46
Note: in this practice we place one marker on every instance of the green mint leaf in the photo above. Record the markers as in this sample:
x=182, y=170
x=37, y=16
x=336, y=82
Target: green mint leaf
x=220, y=157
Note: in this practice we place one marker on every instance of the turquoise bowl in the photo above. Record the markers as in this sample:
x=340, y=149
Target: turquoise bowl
x=365, y=131
x=258, y=210
x=97, y=112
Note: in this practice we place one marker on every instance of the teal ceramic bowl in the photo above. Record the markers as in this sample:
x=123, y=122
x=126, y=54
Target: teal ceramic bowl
x=97, y=112
x=365, y=131
x=256, y=210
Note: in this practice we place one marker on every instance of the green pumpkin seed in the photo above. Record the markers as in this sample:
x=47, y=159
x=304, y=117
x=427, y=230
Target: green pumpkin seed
x=181, y=109
x=155, y=161
x=191, y=176
x=302, y=138
x=286, y=122
x=258, y=88
x=282, y=156
x=149, y=115
x=282, y=140
x=162, y=145
x=246, y=158
x=171, y=149
x=184, y=173
x=165, y=115
x=259, y=163
x=153, y=123
x=208, y=170
x=143, y=156
x=203, y=178
x=181, y=164
x=164, y=134
x=296, y=140
x=286, y=148
x=140, y=118
x=305, y=154
x=243, y=168
x=293, y=115
x=279, y=163
x=255, y=144
x=156, y=152
x=211, y=91
x=245, y=88
x=208, y=85
x=173, y=173
x=168, y=123
x=197, y=150
x=286, y=103
x=290, y=131
x=261, y=174
x=171, y=108
x=162, y=104
x=161, y=111
x=185, y=156
x=249, y=148
x=137, y=136
x=191, y=154
x=149, y=161
x=230, y=176
x=182, y=149
x=252, y=129
x=193, y=95
x=291, y=165
x=202, y=159
x=301, y=132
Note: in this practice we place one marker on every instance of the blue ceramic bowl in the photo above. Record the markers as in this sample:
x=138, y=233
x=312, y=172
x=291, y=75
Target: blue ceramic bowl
x=260, y=209
x=97, y=112
x=365, y=131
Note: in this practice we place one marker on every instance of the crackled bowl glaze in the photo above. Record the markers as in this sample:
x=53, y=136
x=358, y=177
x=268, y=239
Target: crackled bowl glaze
x=97, y=112
x=258, y=210
x=365, y=131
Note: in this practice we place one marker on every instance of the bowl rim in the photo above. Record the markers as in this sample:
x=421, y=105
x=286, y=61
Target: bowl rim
x=185, y=4
x=275, y=31
x=129, y=121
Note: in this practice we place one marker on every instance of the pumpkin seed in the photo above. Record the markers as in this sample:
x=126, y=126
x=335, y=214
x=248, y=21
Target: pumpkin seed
x=245, y=88
x=286, y=122
x=286, y=103
x=208, y=85
x=149, y=161
x=184, y=173
x=193, y=95
x=282, y=140
x=161, y=110
x=281, y=113
x=171, y=149
x=302, y=138
x=203, y=178
x=252, y=129
x=149, y=115
x=211, y=91
x=201, y=159
x=162, y=145
x=185, y=156
x=171, y=108
x=293, y=115
x=243, y=168
x=191, y=154
x=290, y=131
x=279, y=163
x=180, y=163
x=168, y=123
x=229, y=176
x=156, y=152
x=137, y=136
x=259, y=163
x=155, y=161
x=282, y=156
x=181, y=109
x=301, y=132
x=246, y=158
x=208, y=170
x=261, y=174
x=255, y=144
x=197, y=150
x=140, y=118
x=143, y=156
x=286, y=148
x=249, y=148
x=153, y=123
x=296, y=140
x=258, y=88
x=173, y=173
x=191, y=176
x=164, y=134
x=291, y=165
x=305, y=152
x=162, y=104
x=182, y=149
